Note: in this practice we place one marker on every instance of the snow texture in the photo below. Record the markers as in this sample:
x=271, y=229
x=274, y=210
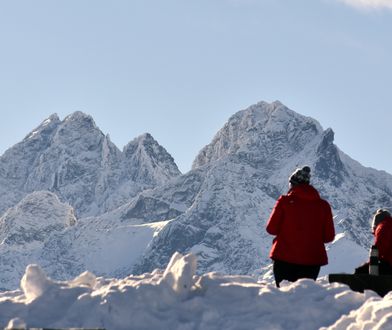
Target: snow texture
x=176, y=298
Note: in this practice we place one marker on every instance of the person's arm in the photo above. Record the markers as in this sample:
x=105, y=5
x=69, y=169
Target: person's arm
x=329, y=229
x=383, y=239
x=276, y=218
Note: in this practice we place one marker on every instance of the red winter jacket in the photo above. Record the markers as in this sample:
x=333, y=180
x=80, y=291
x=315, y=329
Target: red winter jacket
x=383, y=240
x=302, y=222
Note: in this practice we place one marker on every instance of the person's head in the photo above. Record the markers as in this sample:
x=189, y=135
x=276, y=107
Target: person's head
x=300, y=176
x=378, y=217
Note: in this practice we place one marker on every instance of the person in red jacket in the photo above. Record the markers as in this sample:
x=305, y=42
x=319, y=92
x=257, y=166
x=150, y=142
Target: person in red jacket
x=302, y=222
x=382, y=231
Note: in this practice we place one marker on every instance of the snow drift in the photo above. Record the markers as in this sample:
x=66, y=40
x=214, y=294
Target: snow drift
x=176, y=298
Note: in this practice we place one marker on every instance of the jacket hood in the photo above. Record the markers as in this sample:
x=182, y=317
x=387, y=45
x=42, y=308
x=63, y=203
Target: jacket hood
x=304, y=191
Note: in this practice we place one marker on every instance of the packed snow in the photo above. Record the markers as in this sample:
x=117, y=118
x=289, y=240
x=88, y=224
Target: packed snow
x=344, y=256
x=176, y=298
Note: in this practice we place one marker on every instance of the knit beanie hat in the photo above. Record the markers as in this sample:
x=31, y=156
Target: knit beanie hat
x=378, y=217
x=300, y=175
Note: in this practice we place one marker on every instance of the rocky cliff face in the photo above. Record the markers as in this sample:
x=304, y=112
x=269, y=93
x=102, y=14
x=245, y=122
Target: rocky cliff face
x=76, y=161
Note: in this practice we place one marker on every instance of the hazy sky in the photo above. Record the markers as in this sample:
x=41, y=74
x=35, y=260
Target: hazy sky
x=180, y=68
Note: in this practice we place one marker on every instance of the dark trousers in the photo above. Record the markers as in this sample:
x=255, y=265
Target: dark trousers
x=293, y=272
x=384, y=268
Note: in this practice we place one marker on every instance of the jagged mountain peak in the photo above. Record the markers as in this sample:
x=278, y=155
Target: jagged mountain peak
x=141, y=140
x=146, y=137
x=79, y=116
x=145, y=144
x=75, y=125
x=137, y=145
x=47, y=126
x=328, y=138
x=78, y=126
x=73, y=158
x=147, y=159
x=270, y=117
x=263, y=127
x=52, y=119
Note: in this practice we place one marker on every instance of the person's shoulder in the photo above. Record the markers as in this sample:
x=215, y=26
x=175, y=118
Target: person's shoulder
x=386, y=223
x=383, y=228
x=324, y=203
x=283, y=198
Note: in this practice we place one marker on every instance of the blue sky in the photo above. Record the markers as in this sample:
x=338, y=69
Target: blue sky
x=179, y=69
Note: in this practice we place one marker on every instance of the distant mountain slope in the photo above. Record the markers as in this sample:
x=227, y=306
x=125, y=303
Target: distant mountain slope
x=75, y=160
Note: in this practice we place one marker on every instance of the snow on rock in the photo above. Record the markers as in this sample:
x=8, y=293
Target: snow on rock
x=160, y=300
x=105, y=248
x=25, y=229
x=146, y=160
x=258, y=128
x=75, y=160
x=34, y=218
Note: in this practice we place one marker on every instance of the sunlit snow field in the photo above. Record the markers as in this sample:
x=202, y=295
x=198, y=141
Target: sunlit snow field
x=176, y=298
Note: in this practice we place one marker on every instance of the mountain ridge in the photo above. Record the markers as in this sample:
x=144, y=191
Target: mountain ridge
x=73, y=157
x=218, y=209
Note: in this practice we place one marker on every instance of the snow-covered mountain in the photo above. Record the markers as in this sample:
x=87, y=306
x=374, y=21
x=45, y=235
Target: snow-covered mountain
x=76, y=161
x=217, y=210
x=242, y=173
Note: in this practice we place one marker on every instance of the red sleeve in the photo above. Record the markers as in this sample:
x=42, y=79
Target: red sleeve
x=383, y=239
x=329, y=228
x=276, y=217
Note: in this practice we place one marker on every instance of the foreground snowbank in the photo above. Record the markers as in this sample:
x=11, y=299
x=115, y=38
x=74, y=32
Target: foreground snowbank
x=177, y=299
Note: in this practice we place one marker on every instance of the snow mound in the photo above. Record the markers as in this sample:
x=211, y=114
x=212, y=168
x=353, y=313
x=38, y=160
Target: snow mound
x=374, y=314
x=179, y=273
x=15, y=323
x=176, y=298
x=34, y=282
